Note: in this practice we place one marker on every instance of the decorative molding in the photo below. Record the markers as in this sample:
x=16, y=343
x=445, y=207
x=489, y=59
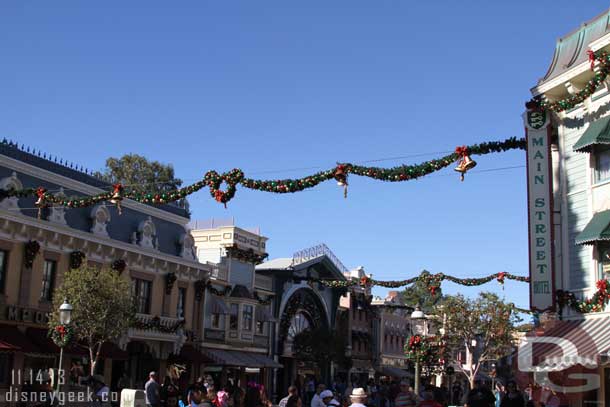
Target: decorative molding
x=100, y=216
x=147, y=233
x=11, y=182
x=17, y=226
x=57, y=213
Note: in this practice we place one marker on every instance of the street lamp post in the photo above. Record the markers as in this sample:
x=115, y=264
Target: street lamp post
x=418, y=327
x=65, y=317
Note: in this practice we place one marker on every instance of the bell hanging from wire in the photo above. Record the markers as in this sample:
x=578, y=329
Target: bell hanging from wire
x=341, y=178
x=117, y=196
x=465, y=164
x=41, y=202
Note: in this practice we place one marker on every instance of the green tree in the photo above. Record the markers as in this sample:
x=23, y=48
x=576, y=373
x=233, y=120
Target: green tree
x=484, y=326
x=137, y=172
x=418, y=293
x=102, y=307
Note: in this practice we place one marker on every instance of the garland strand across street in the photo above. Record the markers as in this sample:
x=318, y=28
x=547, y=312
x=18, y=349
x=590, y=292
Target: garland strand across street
x=214, y=181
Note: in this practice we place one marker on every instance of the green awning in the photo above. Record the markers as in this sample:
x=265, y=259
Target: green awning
x=598, y=229
x=597, y=133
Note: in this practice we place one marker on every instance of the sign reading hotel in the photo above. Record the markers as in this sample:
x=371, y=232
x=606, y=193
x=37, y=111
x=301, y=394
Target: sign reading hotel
x=540, y=210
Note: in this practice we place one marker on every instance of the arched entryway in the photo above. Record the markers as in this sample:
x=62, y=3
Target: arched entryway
x=303, y=311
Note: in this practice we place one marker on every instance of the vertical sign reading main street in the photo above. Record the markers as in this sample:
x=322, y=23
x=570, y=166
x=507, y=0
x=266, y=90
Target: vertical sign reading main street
x=540, y=210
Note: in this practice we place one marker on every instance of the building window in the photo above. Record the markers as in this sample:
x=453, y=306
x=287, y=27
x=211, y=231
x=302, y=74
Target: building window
x=3, y=266
x=260, y=327
x=233, y=317
x=181, y=302
x=602, y=165
x=604, y=263
x=216, y=321
x=140, y=292
x=48, y=279
x=247, y=318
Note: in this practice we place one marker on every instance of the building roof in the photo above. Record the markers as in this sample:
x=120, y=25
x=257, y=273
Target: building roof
x=282, y=263
x=571, y=50
x=68, y=170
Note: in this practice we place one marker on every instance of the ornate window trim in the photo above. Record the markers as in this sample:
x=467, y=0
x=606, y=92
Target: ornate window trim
x=11, y=182
x=100, y=215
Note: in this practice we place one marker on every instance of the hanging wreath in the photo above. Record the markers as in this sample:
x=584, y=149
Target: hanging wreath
x=170, y=279
x=61, y=335
x=118, y=265
x=76, y=259
x=32, y=248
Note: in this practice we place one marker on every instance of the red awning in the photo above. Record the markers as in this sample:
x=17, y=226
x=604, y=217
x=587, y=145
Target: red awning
x=40, y=338
x=12, y=340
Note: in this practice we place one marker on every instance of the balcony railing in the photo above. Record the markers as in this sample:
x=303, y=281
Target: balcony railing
x=219, y=273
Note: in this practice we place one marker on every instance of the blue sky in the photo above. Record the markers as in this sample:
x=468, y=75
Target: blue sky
x=270, y=86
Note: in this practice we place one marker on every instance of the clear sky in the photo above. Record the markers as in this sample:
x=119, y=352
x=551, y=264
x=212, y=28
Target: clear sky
x=274, y=86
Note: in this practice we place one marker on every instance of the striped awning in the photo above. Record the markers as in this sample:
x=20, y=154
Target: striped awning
x=598, y=229
x=566, y=344
x=393, y=372
x=598, y=133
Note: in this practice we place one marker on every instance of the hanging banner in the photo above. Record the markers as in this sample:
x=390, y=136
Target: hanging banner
x=540, y=210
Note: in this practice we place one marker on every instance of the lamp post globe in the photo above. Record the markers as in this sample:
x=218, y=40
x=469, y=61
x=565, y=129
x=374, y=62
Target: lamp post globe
x=65, y=313
x=418, y=327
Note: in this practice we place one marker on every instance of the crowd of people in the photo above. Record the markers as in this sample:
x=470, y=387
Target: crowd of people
x=383, y=393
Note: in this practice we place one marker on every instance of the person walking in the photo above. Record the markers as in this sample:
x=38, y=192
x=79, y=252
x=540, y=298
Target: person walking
x=292, y=391
x=405, y=397
x=513, y=397
x=316, y=400
x=480, y=396
x=152, y=390
x=358, y=398
x=294, y=401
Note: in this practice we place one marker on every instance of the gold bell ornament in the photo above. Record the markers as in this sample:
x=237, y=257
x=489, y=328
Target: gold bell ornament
x=117, y=196
x=41, y=202
x=466, y=163
x=341, y=177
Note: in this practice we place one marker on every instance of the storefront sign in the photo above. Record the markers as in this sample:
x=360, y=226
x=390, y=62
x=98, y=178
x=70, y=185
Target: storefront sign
x=17, y=314
x=393, y=362
x=540, y=210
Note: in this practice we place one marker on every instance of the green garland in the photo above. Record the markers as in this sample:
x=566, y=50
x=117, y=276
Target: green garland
x=225, y=292
x=432, y=281
x=247, y=256
x=213, y=180
x=61, y=335
x=155, y=324
x=596, y=303
x=574, y=100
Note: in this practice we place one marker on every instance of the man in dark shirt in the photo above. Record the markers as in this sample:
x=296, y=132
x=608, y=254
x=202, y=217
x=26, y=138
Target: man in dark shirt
x=480, y=396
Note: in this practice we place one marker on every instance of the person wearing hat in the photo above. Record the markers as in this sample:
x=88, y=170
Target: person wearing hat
x=152, y=390
x=326, y=397
x=358, y=397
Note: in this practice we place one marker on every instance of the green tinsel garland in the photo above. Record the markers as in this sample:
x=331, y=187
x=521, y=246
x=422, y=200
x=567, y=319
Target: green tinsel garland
x=213, y=180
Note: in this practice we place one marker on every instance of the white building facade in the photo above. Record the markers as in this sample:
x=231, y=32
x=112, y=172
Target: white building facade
x=577, y=142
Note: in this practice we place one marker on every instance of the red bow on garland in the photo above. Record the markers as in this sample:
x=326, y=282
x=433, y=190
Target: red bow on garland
x=220, y=196
x=61, y=330
x=602, y=285
x=462, y=151
x=365, y=281
x=501, y=276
